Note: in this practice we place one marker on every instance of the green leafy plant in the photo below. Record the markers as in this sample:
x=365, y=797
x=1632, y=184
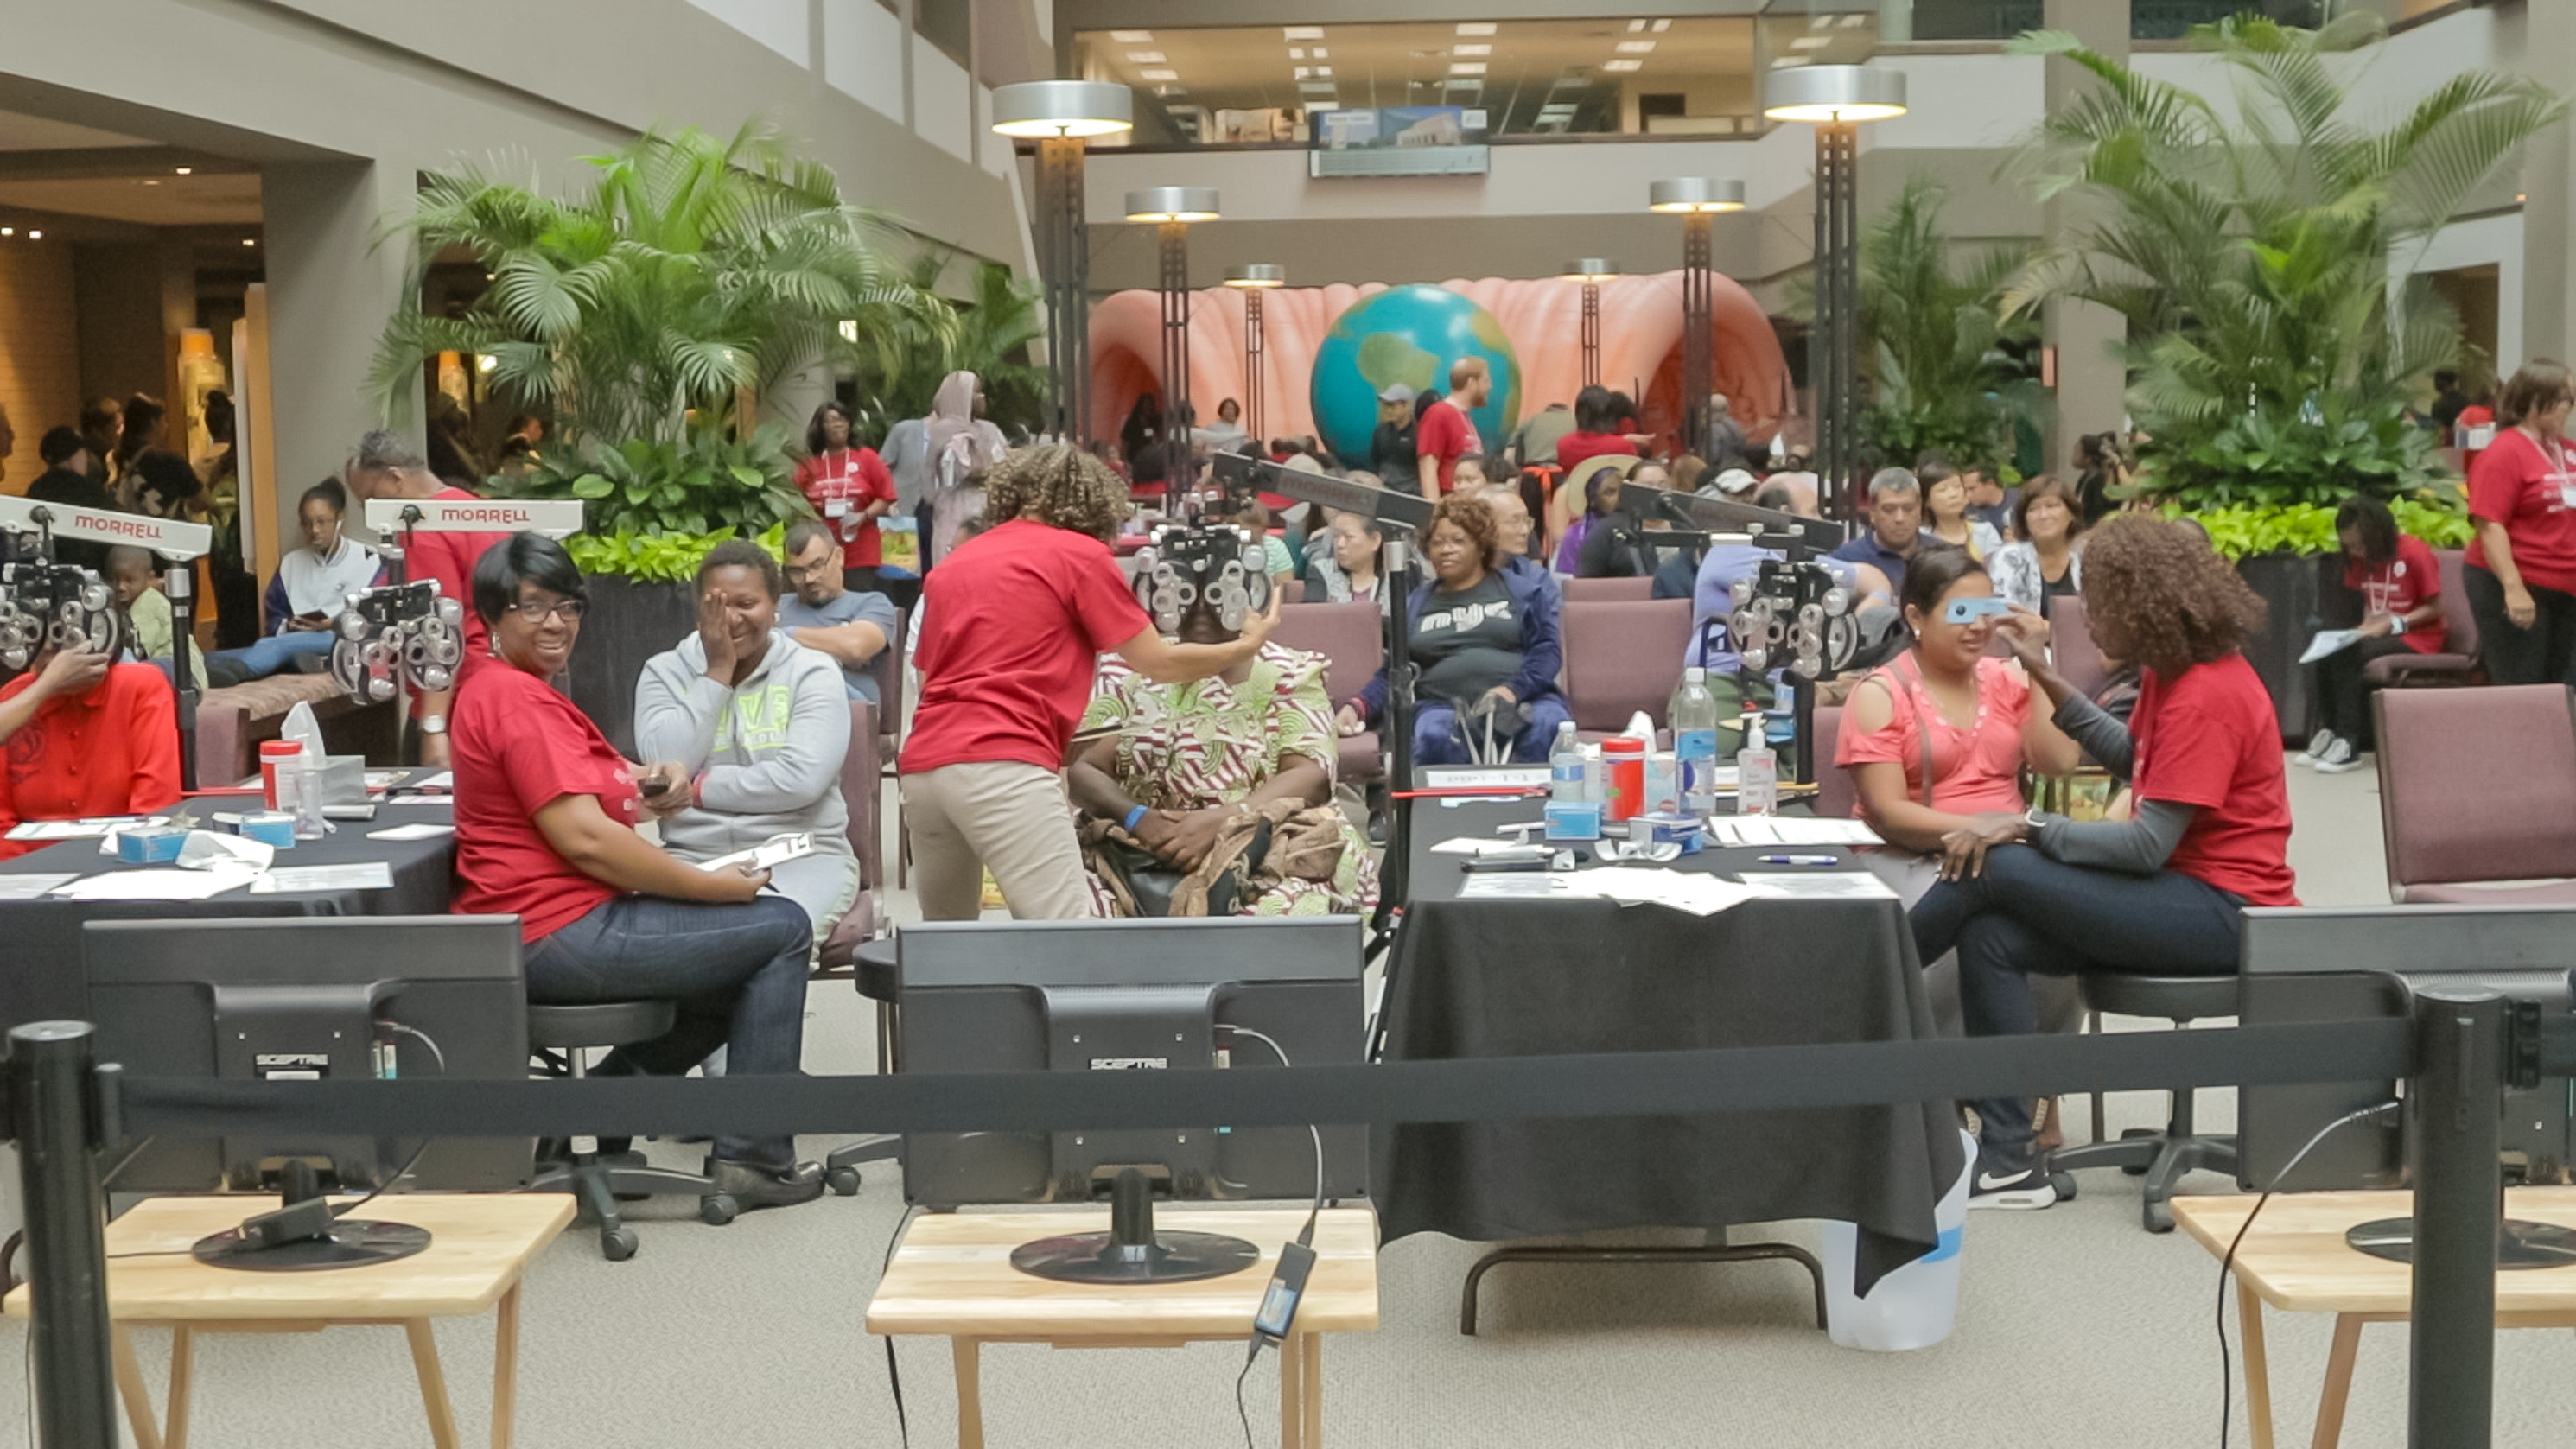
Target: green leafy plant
x=659, y=558
x=901, y=366
x=1946, y=373
x=702, y=482
x=2251, y=257
x=2245, y=530
x=693, y=269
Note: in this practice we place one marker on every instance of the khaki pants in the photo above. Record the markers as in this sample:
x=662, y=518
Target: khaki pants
x=1010, y=817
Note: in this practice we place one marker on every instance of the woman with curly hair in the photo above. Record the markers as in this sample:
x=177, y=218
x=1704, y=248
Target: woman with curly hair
x=2160, y=893
x=1017, y=618
x=1485, y=643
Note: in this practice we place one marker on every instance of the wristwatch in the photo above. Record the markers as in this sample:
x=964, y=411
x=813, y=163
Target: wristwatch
x=433, y=724
x=2396, y=624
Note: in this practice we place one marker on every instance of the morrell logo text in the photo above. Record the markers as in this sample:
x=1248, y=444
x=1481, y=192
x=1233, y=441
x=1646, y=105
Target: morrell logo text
x=119, y=523
x=506, y=517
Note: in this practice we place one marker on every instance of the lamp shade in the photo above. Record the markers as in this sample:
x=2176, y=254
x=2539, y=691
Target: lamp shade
x=1821, y=93
x=1051, y=108
x=1695, y=193
x=1257, y=277
x=1591, y=269
x=1172, y=203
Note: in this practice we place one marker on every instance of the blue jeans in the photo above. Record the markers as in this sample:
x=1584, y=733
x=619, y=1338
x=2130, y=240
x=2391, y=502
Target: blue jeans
x=277, y=653
x=2029, y=913
x=736, y=971
x=1440, y=736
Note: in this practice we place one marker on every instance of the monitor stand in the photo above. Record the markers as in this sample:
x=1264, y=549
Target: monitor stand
x=336, y=1243
x=1131, y=1251
x=2520, y=1244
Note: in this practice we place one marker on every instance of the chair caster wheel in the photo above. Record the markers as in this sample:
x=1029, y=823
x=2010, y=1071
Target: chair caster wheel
x=843, y=1180
x=617, y=1244
x=2159, y=1217
x=2136, y=1132
x=717, y=1209
x=2064, y=1182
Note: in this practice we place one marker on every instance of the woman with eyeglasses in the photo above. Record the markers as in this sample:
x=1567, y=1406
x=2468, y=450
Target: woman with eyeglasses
x=546, y=811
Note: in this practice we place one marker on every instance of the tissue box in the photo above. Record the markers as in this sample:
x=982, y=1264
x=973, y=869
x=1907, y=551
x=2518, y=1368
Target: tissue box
x=150, y=844
x=1666, y=828
x=269, y=827
x=1573, y=819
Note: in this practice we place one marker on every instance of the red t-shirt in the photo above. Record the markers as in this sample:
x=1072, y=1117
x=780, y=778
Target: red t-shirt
x=112, y=751
x=2532, y=492
x=2209, y=739
x=450, y=559
x=2400, y=586
x=1012, y=629
x=517, y=746
x=1447, y=434
x=1573, y=448
x=2475, y=415
x=848, y=479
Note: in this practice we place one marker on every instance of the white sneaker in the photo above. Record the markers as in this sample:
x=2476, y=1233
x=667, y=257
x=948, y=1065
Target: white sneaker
x=2318, y=744
x=2338, y=758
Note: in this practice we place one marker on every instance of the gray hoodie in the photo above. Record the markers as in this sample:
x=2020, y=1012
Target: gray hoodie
x=771, y=749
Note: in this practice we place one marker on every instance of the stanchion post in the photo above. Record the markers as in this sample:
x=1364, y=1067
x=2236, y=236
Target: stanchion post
x=2457, y=1098
x=55, y=1116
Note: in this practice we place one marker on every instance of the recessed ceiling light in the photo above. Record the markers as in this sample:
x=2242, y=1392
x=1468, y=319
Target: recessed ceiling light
x=1146, y=57
x=8, y=231
x=1468, y=67
x=1819, y=22
x=1476, y=27
x=1466, y=85
x=1320, y=53
x=1300, y=72
x=250, y=241
x=1323, y=70
x=1159, y=75
x=150, y=182
x=1635, y=25
x=1132, y=37
x=1304, y=32
x=1171, y=90
x=1623, y=65
x=1854, y=21
x=1317, y=88
x=35, y=235
x=1663, y=25
x=1635, y=47
x=1811, y=42
x=183, y=170
x=1471, y=50
x=1786, y=61
x=1296, y=52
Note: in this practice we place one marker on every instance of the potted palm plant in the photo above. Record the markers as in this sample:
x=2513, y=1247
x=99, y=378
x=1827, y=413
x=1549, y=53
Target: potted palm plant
x=987, y=333
x=1949, y=369
x=2270, y=357
x=693, y=275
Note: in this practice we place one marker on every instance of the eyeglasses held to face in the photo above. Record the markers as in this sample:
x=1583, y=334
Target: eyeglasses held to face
x=535, y=611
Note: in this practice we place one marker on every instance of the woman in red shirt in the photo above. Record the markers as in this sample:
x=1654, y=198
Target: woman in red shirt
x=2400, y=584
x=81, y=736
x=1596, y=424
x=2521, y=576
x=851, y=488
x=545, y=830
x=1014, y=623
x=2159, y=894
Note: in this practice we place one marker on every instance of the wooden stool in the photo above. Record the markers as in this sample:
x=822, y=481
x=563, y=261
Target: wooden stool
x=953, y=1277
x=479, y=1247
x=2296, y=1260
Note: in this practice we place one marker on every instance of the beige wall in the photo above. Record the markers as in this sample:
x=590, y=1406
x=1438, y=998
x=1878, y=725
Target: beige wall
x=39, y=350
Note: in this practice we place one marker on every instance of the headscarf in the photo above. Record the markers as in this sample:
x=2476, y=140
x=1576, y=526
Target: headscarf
x=952, y=417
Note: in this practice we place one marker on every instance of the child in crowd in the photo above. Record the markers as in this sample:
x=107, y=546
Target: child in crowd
x=138, y=593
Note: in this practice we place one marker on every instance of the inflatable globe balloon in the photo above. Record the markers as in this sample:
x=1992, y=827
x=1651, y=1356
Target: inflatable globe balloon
x=1409, y=335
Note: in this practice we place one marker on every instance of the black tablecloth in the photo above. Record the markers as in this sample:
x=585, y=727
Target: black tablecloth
x=40, y=940
x=1487, y=978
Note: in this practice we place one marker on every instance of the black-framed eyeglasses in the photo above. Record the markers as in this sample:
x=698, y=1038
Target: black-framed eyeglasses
x=535, y=611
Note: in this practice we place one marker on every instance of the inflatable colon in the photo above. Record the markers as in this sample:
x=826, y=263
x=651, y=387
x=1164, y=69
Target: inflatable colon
x=1314, y=382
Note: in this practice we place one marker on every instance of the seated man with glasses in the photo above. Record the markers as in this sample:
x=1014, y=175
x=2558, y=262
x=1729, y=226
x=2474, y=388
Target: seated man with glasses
x=849, y=625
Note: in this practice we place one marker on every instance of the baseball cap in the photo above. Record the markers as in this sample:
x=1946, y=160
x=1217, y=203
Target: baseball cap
x=1734, y=480
x=1396, y=393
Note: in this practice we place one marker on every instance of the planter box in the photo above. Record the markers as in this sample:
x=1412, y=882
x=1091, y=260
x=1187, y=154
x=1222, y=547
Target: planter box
x=629, y=622
x=2301, y=594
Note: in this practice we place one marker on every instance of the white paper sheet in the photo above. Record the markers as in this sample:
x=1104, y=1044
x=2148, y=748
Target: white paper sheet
x=369, y=875
x=1692, y=891
x=419, y=830
x=2329, y=641
x=156, y=885
x=1516, y=885
x=1837, y=885
x=1472, y=845
x=69, y=829
x=28, y=887
x=1788, y=830
x=443, y=780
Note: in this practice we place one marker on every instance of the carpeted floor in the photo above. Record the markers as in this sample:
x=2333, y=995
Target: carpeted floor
x=2074, y=1328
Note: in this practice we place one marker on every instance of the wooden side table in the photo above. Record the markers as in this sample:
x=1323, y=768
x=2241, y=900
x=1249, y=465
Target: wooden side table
x=479, y=1248
x=953, y=1277
x=2296, y=1260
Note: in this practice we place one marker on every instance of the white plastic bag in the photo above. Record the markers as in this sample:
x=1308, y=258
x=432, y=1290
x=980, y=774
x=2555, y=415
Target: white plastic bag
x=1912, y=1307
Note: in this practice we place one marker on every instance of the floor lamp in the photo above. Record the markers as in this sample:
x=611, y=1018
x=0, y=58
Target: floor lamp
x=1696, y=200
x=1059, y=115
x=1171, y=209
x=1591, y=272
x=1253, y=281
x=1835, y=99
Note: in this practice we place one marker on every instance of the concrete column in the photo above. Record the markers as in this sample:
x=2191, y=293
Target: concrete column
x=330, y=289
x=2092, y=379
x=2549, y=192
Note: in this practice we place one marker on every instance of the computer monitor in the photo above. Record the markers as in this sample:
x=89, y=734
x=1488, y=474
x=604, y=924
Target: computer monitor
x=312, y=998
x=1074, y=996
x=2305, y=965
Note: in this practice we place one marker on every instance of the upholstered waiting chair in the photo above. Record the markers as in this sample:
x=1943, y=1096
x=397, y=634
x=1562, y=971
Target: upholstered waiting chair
x=2478, y=786
x=862, y=788
x=1836, y=797
x=1595, y=591
x=2077, y=659
x=1352, y=639
x=2457, y=663
x=1621, y=657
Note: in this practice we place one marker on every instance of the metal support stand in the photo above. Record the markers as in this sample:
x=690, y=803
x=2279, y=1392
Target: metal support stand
x=2457, y=1101
x=1833, y=342
x=1172, y=284
x=1252, y=344
x=1713, y=1253
x=1699, y=342
x=1592, y=327
x=1064, y=261
x=60, y=1117
x=181, y=585
x=1395, y=869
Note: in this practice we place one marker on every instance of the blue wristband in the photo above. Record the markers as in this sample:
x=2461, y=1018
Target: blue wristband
x=1134, y=815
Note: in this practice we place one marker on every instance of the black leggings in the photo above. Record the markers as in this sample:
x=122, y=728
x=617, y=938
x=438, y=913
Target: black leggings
x=2537, y=655
x=2343, y=696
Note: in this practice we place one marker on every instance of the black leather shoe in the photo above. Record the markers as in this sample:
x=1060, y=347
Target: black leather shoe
x=758, y=1187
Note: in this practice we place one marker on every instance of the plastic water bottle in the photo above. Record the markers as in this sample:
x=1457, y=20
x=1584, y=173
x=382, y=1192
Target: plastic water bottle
x=1694, y=718
x=1757, y=770
x=310, y=823
x=1565, y=767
